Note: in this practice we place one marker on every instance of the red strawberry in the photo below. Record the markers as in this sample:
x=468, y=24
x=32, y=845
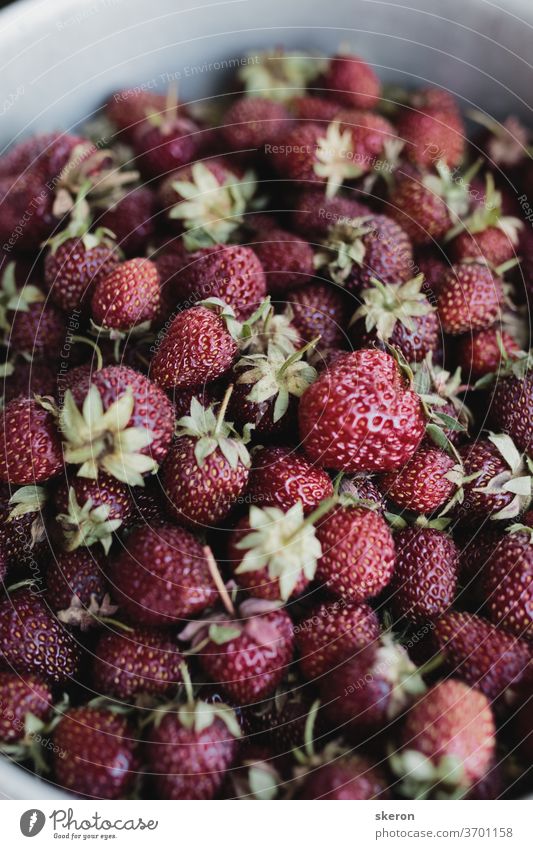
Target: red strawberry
x=20, y=696
x=470, y=298
x=287, y=260
x=507, y=583
x=30, y=153
x=30, y=447
x=38, y=332
x=129, y=107
x=136, y=663
x=74, y=267
x=481, y=654
x=427, y=205
x=349, y=777
x=124, y=429
x=165, y=142
x=310, y=108
x=94, y=753
x=360, y=416
x=162, y=575
x=130, y=295
x=432, y=134
x=425, y=575
x=18, y=195
x=189, y=752
x=91, y=510
x=331, y=633
x=76, y=588
x=361, y=487
x=448, y=742
x=248, y=656
x=352, y=81
x=251, y=123
x=433, y=268
x=479, y=353
x=206, y=468
x=28, y=379
x=33, y=641
x=295, y=156
x=319, y=309
x=132, y=220
x=512, y=402
x=357, y=559
x=421, y=485
x=314, y=214
x=280, y=477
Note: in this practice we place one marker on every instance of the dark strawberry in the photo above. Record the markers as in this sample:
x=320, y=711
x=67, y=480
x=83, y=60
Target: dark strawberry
x=448, y=742
x=132, y=220
x=480, y=353
x=38, y=332
x=22, y=524
x=310, y=108
x=507, y=583
x=360, y=415
x=512, y=402
x=20, y=697
x=425, y=574
x=319, y=309
x=281, y=477
x=28, y=379
x=162, y=575
x=349, y=777
x=164, y=142
x=287, y=260
x=129, y=107
x=33, y=641
x=331, y=633
x=94, y=753
x=77, y=589
x=350, y=80
x=30, y=446
x=89, y=511
x=423, y=483
x=130, y=295
x=362, y=487
x=138, y=662
x=30, y=153
x=314, y=214
x=251, y=123
x=432, y=134
x=74, y=267
x=470, y=298
x=427, y=205
x=432, y=266
x=18, y=195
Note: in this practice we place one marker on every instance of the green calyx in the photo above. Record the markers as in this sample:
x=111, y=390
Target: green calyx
x=37, y=732
x=240, y=331
x=278, y=75
x=274, y=375
x=423, y=777
x=488, y=215
x=384, y=305
x=212, y=433
x=87, y=524
x=86, y=616
x=275, y=329
x=199, y=715
x=29, y=499
x=90, y=174
x=335, y=157
x=211, y=211
x=344, y=248
x=517, y=480
x=94, y=439
x=78, y=226
x=452, y=187
x=15, y=299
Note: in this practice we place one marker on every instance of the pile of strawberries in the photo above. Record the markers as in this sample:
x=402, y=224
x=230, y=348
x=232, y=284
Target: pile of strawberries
x=266, y=525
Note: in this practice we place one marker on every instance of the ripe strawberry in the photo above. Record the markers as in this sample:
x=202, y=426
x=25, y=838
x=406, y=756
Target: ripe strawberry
x=399, y=314
x=507, y=583
x=370, y=689
x=138, y=662
x=30, y=447
x=30, y=153
x=162, y=576
x=130, y=295
x=319, y=309
x=131, y=219
x=73, y=267
x=33, y=327
x=94, y=753
x=481, y=654
x=295, y=157
x=421, y=485
x=164, y=142
x=124, y=428
x=359, y=415
x=479, y=353
x=314, y=214
x=189, y=751
x=28, y=379
x=89, y=511
x=250, y=123
x=448, y=742
x=247, y=656
x=331, y=633
x=470, y=298
x=349, y=777
x=427, y=205
x=287, y=260
x=206, y=468
x=432, y=134
x=21, y=696
x=361, y=487
x=33, y=641
x=357, y=559
x=350, y=80
x=310, y=108
x=433, y=268
x=281, y=477
x=129, y=107
x=511, y=403
x=425, y=574
x=17, y=196
x=77, y=589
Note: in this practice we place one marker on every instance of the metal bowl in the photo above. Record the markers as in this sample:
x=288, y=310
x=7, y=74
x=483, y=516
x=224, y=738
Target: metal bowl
x=61, y=58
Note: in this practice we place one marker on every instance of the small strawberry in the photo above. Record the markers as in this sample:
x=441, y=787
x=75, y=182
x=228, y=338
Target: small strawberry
x=287, y=260
x=511, y=403
x=431, y=134
x=479, y=353
x=94, y=753
x=162, y=575
x=33, y=327
x=313, y=214
x=129, y=296
x=344, y=778
x=507, y=583
x=425, y=575
x=470, y=298
x=164, y=141
x=76, y=588
x=281, y=477
x=33, y=641
x=27, y=379
x=481, y=654
x=250, y=123
x=359, y=415
x=362, y=487
x=331, y=633
x=21, y=698
x=18, y=195
x=206, y=468
x=129, y=107
x=310, y=108
x=30, y=446
x=422, y=484
x=91, y=510
x=135, y=662
x=357, y=559
x=448, y=742
x=319, y=310
x=132, y=220
x=350, y=80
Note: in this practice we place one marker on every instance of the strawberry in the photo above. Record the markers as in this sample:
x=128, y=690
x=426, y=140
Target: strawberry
x=277, y=74
x=359, y=415
x=73, y=267
x=350, y=80
x=511, y=403
x=470, y=298
x=319, y=309
x=442, y=394
x=206, y=468
x=130, y=295
x=76, y=588
x=162, y=575
x=28, y=379
x=34, y=328
x=129, y=107
x=314, y=214
x=361, y=487
x=206, y=395
x=432, y=134
x=31, y=153
x=448, y=742
x=251, y=123
x=22, y=524
x=357, y=559
x=481, y=654
x=427, y=205
x=91, y=510
x=124, y=427
x=18, y=195
x=507, y=583
x=421, y=485
x=348, y=777
x=310, y=108
x=480, y=353
x=131, y=219
x=33, y=641
x=287, y=260
x=94, y=753
x=433, y=267
x=135, y=662
x=21, y=697
x=331, y=633
x=247, y=656
x=399, y=314
x=281, y=477
x=30, y=447
x=164, y=142
x=370, y=689
x=425, y=575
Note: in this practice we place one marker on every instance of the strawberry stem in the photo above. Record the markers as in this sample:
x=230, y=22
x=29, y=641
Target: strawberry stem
x=223, y=407
x=323, y=508
x=187, y=683
x=94, y=346
x=294, y=358
x=218, y=581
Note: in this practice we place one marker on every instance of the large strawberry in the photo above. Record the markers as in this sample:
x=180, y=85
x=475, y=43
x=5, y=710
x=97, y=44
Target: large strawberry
x=432, y=134
x=428, y=204
x=30, y=446
x=287, y=260
x=128, y=296
x=132, y=220
x=470, y=298
x=165, y=141
x=507, y=583
x=280, y=477
x=89, y=510
x=424, y=483
x=360, y=415
x=351, y=80
x=480, y=353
